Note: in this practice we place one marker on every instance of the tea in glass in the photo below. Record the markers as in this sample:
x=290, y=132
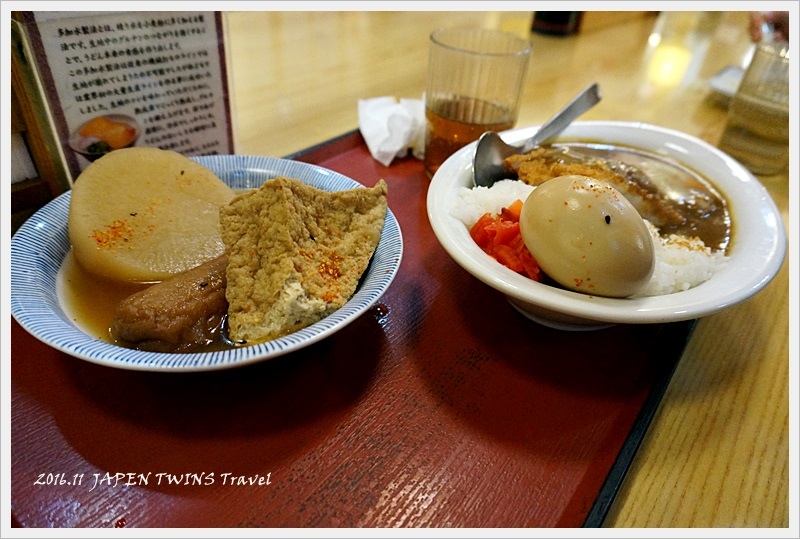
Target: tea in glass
x=475, y=80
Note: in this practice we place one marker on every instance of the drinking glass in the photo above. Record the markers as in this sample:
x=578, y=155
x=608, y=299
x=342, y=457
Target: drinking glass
x=757, y=128
x=475, y=81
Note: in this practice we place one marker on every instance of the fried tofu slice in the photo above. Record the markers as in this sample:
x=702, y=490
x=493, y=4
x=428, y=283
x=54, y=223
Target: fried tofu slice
x=295, y=254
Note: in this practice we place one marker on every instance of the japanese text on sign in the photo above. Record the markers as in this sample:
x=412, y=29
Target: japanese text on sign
x=165, y=70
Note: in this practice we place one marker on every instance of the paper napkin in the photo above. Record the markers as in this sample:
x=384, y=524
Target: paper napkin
x=392, y=127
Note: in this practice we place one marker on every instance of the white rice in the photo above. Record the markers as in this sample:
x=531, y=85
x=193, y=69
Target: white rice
x=680, y=262
x=472, y=203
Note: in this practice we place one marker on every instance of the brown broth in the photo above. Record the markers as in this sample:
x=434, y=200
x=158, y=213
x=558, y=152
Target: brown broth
x=90, y=301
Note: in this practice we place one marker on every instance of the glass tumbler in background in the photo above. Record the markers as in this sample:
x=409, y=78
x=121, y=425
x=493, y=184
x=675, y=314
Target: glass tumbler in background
x=475, y=81
x=757, y=129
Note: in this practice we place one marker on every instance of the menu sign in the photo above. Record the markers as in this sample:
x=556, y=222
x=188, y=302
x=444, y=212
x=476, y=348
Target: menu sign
x=119, y=79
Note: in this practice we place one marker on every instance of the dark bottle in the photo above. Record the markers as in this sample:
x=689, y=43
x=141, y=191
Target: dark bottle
x=556, y=23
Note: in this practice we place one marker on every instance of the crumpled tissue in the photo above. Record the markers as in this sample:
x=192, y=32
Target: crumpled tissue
x=392, y=127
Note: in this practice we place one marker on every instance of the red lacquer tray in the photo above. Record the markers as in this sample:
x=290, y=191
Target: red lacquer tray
x=440, y=407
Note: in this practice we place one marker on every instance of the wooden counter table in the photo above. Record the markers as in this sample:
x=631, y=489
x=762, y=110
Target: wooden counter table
x=717, y=452
x=437, y=419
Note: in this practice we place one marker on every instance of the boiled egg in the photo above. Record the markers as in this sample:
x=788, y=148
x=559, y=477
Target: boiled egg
x=587, y=236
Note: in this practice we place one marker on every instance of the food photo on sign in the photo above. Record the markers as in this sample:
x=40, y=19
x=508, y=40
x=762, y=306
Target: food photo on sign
x=115, y=80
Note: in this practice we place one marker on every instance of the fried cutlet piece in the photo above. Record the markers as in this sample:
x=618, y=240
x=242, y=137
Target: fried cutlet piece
x=542, y=164
x=545, y=163
x=296, y=254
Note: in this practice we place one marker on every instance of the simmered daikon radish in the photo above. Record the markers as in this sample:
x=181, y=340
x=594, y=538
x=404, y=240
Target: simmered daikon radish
x=145, y=214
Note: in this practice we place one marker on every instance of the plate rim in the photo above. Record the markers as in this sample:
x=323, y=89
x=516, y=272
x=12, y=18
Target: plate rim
x=63, y=335
x=678, y=306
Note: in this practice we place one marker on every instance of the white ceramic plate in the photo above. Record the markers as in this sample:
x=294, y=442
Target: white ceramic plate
x=40, y=245
x=756, y=254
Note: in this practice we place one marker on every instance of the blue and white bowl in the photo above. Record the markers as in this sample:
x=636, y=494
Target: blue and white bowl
x=40, y=245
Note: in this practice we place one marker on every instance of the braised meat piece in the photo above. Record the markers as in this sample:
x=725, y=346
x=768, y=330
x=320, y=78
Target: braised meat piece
x=177, y=314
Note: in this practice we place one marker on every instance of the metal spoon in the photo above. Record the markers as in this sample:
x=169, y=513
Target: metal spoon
x=487, y=165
